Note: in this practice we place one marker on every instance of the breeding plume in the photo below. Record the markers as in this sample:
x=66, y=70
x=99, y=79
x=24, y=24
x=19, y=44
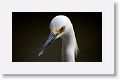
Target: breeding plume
x=61, y=27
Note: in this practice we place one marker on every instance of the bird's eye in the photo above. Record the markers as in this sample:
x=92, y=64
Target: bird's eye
x=61, y=29
x=58, y=31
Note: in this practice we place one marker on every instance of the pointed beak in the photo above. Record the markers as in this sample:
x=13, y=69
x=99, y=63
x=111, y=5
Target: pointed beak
x=50, y=40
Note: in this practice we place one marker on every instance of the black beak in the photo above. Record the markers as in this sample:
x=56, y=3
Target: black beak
x=50, y=40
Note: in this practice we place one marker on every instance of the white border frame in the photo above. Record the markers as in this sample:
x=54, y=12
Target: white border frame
x=104, y=67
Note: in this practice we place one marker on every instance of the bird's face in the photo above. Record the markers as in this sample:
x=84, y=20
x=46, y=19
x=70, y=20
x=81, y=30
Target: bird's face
x=58, y=28
x=58, y=32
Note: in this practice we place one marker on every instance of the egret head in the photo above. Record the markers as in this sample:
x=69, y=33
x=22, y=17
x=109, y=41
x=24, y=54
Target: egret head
x=59, y=27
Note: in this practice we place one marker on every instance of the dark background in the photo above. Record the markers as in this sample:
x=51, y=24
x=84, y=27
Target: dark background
x=31, y=29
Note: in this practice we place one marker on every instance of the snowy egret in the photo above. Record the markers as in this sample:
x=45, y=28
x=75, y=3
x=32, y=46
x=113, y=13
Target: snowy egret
x=61, y=27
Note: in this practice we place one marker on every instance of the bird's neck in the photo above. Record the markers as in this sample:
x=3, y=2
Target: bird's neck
x=68, y=47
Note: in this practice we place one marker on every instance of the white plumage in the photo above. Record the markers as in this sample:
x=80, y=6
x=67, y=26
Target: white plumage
x=61, y=27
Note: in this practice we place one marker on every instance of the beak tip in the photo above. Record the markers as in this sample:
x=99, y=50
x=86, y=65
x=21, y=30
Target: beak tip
x=39, y=54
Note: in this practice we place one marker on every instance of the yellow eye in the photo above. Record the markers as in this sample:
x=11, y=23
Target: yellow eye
x=58, y=31
x=61, y=29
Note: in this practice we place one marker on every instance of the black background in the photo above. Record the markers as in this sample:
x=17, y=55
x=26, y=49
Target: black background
x=31, y=29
